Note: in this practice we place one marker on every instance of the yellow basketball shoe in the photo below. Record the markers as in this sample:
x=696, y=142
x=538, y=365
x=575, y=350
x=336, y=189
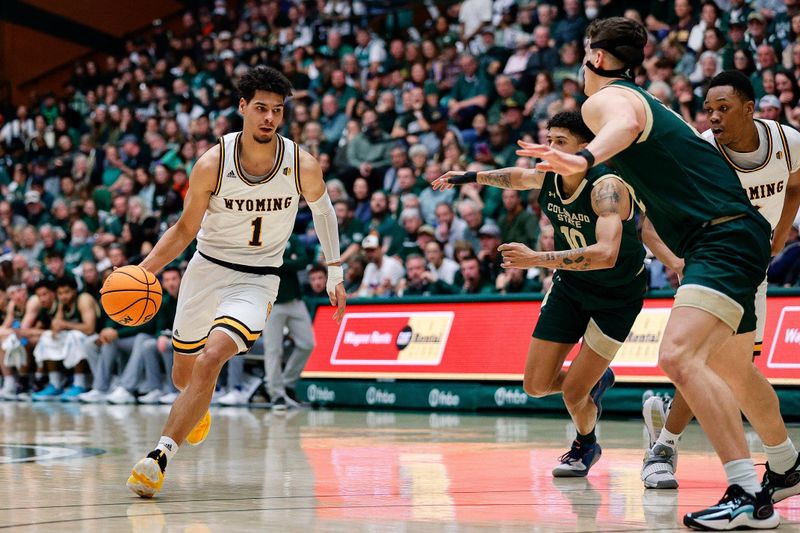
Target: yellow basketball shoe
x=200, y=431
x=146, y=478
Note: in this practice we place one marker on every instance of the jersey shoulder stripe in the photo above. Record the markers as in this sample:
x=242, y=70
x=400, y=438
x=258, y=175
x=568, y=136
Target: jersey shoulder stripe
x=786, y=150
x=221, y=165
x=297, y=167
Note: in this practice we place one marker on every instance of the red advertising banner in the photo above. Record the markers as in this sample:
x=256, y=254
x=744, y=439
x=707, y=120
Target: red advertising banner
x=489, y=341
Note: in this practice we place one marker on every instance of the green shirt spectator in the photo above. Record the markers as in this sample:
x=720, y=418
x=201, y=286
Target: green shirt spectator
x=295, y=259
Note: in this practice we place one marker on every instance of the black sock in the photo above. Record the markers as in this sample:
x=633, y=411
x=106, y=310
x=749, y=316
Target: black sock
x=586, y=440
x=160, y=457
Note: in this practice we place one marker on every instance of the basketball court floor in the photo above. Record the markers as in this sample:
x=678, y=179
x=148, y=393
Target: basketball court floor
x=63, y=468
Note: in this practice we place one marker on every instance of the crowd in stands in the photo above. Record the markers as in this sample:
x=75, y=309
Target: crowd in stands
x=387, y=95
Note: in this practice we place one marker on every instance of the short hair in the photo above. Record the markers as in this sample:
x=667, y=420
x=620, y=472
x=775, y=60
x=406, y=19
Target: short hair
x=263, y=78
x=67, y=281
x=171, y=269
x=53, y=253
x=622, y=37
x=318, y=268
x=416, y=256
x=572, y=121
x=44, y=283
x=740, y=84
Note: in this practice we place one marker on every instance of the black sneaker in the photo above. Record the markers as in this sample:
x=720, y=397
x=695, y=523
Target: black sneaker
x=578, y=460
x=279, y=404
x=291, y=394
x=736, y=510
x=782, y=486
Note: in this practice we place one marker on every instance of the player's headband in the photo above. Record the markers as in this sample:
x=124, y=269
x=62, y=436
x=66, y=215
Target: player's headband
x=621, y=48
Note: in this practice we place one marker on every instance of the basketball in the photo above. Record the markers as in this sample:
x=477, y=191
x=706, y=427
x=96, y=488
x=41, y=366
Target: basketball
x=131, y=295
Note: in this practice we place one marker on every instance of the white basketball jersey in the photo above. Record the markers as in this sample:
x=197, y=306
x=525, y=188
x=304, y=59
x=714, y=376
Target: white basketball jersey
x=765, y=183
x=249, y=223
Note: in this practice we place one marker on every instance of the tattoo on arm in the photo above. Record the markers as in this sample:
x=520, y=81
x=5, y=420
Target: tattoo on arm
x=496, y=178
x=606, y=197
x=568, y=260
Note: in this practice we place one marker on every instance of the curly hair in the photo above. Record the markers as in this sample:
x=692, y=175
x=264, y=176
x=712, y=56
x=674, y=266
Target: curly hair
x=573, y=123
x=263, y=78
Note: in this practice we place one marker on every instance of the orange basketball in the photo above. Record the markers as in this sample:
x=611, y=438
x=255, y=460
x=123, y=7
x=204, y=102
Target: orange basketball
x=131, y=295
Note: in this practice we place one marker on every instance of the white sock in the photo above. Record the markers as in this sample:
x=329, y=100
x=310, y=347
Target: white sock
x=782, y=457
x=55, y=379
x=668, y=438
x=79, y=380
x=168, y=446
x=10, y=383
x=742, y=472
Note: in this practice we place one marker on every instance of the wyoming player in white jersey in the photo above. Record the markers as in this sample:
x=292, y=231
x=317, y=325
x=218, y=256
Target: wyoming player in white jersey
x=241, y=205
x=766, y=157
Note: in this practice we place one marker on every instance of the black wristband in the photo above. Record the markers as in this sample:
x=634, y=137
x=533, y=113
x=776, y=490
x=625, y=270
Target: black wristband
x=466, y=177
x=588, y=156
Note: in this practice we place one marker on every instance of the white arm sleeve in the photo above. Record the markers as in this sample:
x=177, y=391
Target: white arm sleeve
x=328, y=232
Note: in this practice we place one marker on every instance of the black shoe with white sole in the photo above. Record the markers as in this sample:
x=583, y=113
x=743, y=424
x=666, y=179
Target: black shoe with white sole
x=737, y=509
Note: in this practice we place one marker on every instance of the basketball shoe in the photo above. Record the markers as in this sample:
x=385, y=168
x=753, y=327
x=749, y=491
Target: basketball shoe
x=200, y=431
x=578, y=460
x=660, y=462
x=736, y=510
x=147, y=475
x=782, y=486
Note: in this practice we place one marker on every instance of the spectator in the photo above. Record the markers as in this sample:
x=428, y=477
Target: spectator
x=382, y=273
x=514, y=281
x=490, y=258
x=354, y=274
x=290, y=312
x=317, y=279
x=517, y=225
x=419, y=281
x=368, y=153
x=469, y=94
x=332, y=120
x=474, y=280
x=442, y=267
x=449, y=229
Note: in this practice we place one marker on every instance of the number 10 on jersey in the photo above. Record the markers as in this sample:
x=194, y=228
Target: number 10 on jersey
x=574, y=237
x=255, y=236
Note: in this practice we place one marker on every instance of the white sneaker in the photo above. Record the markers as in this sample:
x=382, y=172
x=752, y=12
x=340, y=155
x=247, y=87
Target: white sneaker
x=93, y=396
x=658, y=470
x=151, y=397
x=8, y=393
x=655, y=416
x=120, y=395
x=168, y=398
x=234, y=397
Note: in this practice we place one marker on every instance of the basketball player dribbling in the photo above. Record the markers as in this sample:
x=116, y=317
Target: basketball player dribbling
x=241, y=205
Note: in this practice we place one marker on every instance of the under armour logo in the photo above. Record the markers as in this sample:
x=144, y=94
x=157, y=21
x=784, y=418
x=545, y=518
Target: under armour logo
x=230, y=174
x=551, y=194
x=126, y=320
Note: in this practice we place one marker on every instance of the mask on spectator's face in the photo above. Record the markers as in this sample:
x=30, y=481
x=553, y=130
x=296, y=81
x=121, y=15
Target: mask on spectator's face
x=592, y=12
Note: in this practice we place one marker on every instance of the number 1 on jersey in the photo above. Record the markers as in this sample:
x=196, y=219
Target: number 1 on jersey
x=255, y=238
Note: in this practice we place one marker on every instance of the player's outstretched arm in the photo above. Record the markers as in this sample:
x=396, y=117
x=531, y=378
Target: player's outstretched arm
x=662, y=252
x=791, y=204
x=521, y=179
x=614, y=115
x=612, y=203
x=315, y=192
x=202, y=184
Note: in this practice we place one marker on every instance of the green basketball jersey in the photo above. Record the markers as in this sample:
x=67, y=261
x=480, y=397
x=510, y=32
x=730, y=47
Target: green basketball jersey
x=682, y=179
x=575, y=222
